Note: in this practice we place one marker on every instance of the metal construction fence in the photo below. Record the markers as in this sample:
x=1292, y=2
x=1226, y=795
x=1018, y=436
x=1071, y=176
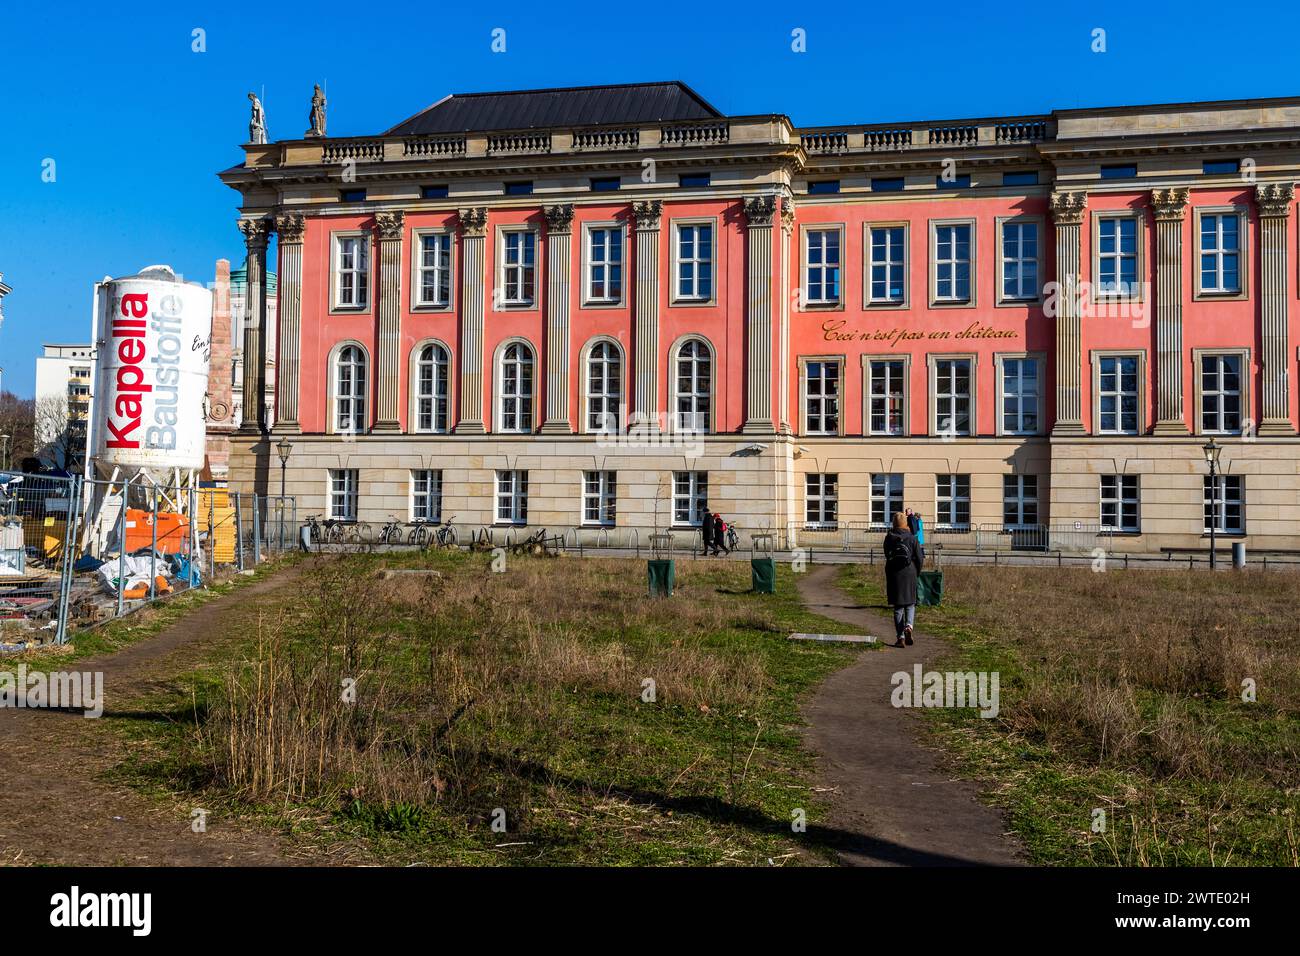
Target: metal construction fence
x=76, y=552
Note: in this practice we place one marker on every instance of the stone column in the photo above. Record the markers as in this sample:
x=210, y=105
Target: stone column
x=559, y=246
x=1067, y=213
x=759, y=211
x=787, y=234
x=1170, y=209
x=388, y=309
x=645, y=405
x=473, y=229
x=290, y=227
x=1273, y=201
x=257, y=233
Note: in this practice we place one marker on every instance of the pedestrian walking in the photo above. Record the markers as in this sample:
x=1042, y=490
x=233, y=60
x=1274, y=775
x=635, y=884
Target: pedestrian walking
x=706, y=526
x=719, y=535
x=903, y=561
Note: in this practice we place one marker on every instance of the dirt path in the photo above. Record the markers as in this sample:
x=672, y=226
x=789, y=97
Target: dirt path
x=894, y=804
x=56, y=808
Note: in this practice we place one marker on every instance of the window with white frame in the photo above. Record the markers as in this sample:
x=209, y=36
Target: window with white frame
x=343, y=494
x=694, y=261
x=1117, y=395
x=351, y=272
x=599, y=498
x=512, y=497
x=690, y=496
x=694, y=386
x=952, y=397
x=887, y=381
x=1019, y=502
x=1120, y=503
x=1117, y=255
x=432, y=399
x=886, y=498
x=887, y=265
x=822, y=398
x=821, y=266
x=1020, y=260
x=350, y=390
x=952, y=495
x=518, y=266
x=1225, y=504
x=952, y=262
x=433, y=278
x=1221, y=253
x=605, y=264
x=1221, y=394
x=516, y=395
x=1020, y=388
x=821, y=500
x=426, y=494
x=604, y=388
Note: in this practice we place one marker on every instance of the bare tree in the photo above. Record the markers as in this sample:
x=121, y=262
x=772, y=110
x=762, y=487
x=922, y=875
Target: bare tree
x=17, y=421
x=60, y=437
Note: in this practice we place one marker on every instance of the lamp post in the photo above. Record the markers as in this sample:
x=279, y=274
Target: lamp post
x=1212, y=450
x=283, y=447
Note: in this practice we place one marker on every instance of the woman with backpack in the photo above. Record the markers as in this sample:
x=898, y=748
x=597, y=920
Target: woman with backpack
x=902, y=564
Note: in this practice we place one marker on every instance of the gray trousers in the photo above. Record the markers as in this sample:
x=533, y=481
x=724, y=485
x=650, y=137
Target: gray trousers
x=903, y=616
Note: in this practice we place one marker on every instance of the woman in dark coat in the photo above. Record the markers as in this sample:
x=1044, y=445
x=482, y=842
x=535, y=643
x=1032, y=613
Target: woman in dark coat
x=902, y=564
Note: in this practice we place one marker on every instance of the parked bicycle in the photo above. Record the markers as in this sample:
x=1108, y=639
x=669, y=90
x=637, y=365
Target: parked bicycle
x=445, y=535
x=328, y=531
x=732, y=537
x=392, y=532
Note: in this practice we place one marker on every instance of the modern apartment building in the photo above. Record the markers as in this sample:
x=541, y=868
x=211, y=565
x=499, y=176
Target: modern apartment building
x=604, y=306
x=64, y=382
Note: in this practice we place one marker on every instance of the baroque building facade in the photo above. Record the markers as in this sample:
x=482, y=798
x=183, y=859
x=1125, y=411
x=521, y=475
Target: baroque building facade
x=612, y=306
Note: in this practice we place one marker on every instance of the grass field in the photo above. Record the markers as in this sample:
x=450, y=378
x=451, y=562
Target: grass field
x=400, y=719
x=1123, y=692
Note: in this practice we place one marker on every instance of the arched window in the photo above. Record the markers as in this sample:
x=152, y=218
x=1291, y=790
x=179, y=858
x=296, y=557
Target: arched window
x=432, y=373
x=604, y=389
x=694, y=386
x=516, y=388
x=350, y=390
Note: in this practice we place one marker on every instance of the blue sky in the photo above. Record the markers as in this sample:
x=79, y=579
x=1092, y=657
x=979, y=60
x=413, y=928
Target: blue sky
x=138, y=124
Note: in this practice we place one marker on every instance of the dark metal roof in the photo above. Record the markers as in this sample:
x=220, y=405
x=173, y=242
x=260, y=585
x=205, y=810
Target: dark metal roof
x=544, y=109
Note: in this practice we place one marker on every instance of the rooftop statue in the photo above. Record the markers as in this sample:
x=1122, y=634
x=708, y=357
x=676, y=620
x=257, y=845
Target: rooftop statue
x=257, y=122
x=317, y=114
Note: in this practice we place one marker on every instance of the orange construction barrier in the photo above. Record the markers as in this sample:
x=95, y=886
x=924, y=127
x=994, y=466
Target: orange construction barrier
x=173, y=531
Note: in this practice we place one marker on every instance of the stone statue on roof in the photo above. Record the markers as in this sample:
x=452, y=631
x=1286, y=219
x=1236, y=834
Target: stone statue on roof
x=257, y=122
x=317, y=114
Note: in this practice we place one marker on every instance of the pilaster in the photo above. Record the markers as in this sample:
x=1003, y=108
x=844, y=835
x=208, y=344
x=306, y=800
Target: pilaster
x=1067, y=214
x=559, y=245
x=257, y=233
x=473, y=229
x=290, y=227
x=1170, y=209
x=389, y=226
x=1273, y=201
x=646, y=391
x=759, y=212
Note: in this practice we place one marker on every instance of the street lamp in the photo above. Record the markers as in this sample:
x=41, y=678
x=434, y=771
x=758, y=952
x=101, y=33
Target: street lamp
x=283, y=447
x=1212, y=451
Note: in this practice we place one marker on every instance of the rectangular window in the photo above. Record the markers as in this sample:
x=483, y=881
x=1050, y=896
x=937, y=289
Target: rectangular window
x=1225, y=504
x=886, y=265
x=605, y=264
x=952, y=493
x=352, y=195
x=690, y=494
x=1220, y=167
x=512, y=497
x=1121, y=171
x=1117, y=255
x=952, y=262
x=961, y=181
x=343, y=494
x=695, y=261
x=1019, y=501
x=887, y=184
x=1117, y=395
x=695, y=180
x=1221, y=394
x=887, y=381
x=1020, y=260
x=434, y=273
x=1221, y=253
x=824, y=187
x=351, y=272
x=1120, y=503
x=1020, y=388
x=518, y=267
x=821, y=501
x=605, y=184
x=519, y=188
x=1020, y=179
x=435, y=192
x=822, y=398
x=599, y=498
x=426, y=494
x=886, y=498
x=952, y=397
x=822, y=266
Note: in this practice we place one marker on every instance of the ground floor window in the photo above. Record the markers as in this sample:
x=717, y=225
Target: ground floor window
x=1225, y=504
x=1019, y=501
x=343, y=494
x=952, y=496
x=690, y=496
x=821, y=500
x=426, y=494
x=1119, y=503
x=886, y=498
x=512, y=497
x=599, y=497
